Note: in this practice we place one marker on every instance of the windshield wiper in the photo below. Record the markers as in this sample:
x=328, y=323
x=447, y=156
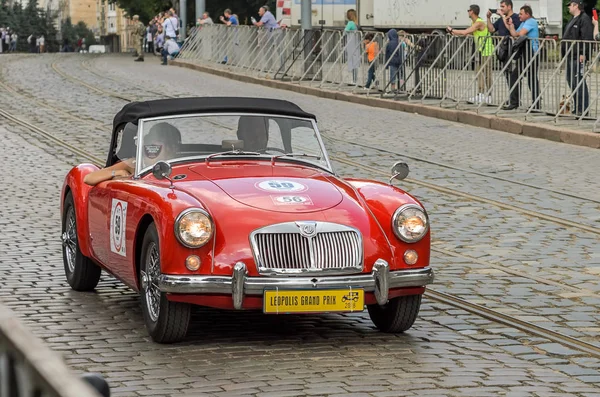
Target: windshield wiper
x=313, y=156
x=233, y=153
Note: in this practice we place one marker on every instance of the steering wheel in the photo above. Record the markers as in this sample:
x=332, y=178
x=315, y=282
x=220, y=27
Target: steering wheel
x=275, y=149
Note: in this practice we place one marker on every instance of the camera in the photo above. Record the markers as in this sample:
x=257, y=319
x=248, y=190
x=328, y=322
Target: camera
x=494, y=10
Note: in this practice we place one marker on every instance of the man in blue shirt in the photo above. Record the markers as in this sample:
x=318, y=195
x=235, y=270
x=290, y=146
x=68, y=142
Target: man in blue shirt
x=529, y=28
x=229, y=19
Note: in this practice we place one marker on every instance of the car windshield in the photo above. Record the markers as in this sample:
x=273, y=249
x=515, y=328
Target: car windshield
x=224, y=136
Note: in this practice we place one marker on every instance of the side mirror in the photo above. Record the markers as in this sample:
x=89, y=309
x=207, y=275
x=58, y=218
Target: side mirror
x=162, y=170
x=400, y=171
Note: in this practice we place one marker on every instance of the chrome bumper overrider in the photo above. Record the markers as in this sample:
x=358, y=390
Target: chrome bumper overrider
x=379, y=281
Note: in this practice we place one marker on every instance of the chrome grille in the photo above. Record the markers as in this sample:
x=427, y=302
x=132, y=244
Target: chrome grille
x=285, y=248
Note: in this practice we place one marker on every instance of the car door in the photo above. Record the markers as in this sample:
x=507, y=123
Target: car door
x=99, y=221
x=122, y=228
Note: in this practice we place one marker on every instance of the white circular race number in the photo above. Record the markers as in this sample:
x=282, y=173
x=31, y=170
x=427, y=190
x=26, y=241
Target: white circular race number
x=281, y=186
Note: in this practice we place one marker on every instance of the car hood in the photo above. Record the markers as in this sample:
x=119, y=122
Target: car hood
x=277, y=188
x=242, y=197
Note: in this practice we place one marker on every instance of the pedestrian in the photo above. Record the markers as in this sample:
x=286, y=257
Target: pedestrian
x=485, y=47
x=529, y=56
x=32, y=43
x=13, y=42
x=42, y=44
x=372, y=50
x=231, y=20
x=171, y=48
x=267, y=19
x=352, y=44
x=150, y=31
x=269, y=23
x=394, y=54
x=7, y=40
x=171, y=24
x=206, y=19
x=500, y=28
x=160, y=40
x=579, y=28
x=66, y=47
x=139, y=31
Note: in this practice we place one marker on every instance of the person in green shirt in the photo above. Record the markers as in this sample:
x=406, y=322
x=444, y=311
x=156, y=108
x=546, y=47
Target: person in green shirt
x=485, y=46
x=353, y=52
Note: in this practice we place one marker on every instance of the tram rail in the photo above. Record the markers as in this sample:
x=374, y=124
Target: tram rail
x=432, y=186
x=434, y=295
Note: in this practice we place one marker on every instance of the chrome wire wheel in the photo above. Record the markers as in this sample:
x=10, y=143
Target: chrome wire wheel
x=69, y=239
x=150, y=281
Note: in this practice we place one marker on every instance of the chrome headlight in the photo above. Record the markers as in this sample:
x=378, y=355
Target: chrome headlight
x=193, y=227
x=410, y=223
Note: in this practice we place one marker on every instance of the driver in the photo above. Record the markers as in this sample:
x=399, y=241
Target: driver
x=160, y=144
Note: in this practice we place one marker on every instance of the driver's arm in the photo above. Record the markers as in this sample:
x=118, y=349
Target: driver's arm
x=122, y=169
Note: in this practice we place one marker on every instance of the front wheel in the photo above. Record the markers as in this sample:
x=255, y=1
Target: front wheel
x=167, y=322
x=398, y=315
x=82, y=274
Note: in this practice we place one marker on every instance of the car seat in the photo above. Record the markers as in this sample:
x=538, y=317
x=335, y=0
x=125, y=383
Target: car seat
x=253, y=131
x=128, y=146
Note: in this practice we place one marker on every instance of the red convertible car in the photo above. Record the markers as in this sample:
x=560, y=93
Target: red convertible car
x=233, y=203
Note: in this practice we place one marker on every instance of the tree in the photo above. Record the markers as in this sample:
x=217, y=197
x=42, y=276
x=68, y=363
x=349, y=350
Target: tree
x=73, y=33
x=29, y=20
x=146, y=9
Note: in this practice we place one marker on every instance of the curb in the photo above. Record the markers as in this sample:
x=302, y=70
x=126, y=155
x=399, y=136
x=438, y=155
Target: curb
x=533, y=130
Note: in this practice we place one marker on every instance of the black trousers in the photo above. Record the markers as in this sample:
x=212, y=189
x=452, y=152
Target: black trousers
x=151, y=47
x=575, y=74
x=533, y=80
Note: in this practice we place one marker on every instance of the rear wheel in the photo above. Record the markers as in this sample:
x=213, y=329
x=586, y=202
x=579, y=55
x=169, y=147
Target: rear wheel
x=166, y=321
x=398, y=315
x=82, y=274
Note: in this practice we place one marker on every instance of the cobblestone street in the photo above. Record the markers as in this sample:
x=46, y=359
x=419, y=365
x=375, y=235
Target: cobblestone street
x=515, y=227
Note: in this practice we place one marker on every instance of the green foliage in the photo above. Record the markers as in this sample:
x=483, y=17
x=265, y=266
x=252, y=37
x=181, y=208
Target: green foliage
x=146, y=9
x=73, y=33
x=29, y=20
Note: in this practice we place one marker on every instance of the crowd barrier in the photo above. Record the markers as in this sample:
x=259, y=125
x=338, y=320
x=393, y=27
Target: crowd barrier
x=492, y=75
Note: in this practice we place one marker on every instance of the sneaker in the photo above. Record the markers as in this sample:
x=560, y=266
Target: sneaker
x=475, y=99
x=139, y=60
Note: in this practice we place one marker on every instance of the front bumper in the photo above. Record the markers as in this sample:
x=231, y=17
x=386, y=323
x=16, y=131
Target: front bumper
x=379, y=281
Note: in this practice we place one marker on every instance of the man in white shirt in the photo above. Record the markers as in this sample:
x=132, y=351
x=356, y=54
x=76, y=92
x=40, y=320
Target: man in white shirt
x=171, y=25
x=170, y=48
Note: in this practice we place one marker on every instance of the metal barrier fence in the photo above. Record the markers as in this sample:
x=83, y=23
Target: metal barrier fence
x=29, y=369
x=492, y=75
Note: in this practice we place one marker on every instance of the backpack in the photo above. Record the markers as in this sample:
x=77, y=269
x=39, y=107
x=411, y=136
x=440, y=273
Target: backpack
x=518, y=47
x=504, y=49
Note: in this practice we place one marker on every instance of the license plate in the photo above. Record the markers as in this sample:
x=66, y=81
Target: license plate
x=314, y=301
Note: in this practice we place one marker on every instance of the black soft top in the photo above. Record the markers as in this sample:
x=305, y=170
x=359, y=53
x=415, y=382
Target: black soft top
x=134, y=111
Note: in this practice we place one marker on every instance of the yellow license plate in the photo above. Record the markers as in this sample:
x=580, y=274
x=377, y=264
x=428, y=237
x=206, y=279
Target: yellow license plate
x=314, y=301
